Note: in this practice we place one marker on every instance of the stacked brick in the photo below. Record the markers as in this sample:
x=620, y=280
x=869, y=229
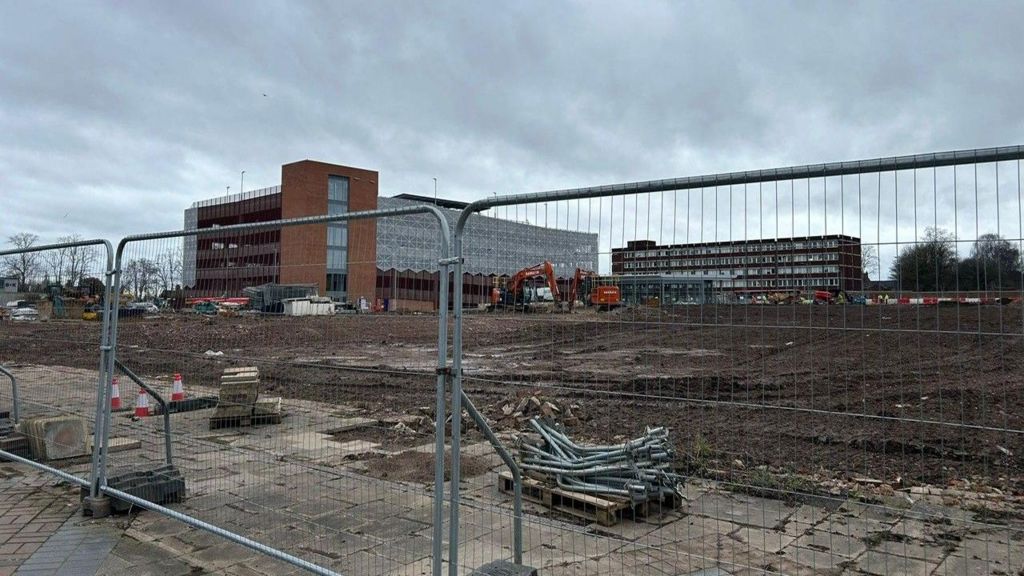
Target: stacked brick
x=239, y=403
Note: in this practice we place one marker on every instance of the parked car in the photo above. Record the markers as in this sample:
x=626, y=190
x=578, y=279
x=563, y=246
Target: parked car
x=208, y=308
x=24, y=313
x=146, y=307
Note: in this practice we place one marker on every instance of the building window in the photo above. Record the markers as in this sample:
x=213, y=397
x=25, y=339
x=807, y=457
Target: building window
x=337, y=235
x=337, y=258
x=337, y=188
x=337, y=283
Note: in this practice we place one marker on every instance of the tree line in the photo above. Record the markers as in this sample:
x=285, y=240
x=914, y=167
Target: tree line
x=76, y=267
x=933, y=264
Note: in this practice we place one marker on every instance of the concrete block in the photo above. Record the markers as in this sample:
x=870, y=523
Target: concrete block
x=56, y=437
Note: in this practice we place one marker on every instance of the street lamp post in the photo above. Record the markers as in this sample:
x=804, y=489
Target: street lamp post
x=435, y=191
x=241, y=187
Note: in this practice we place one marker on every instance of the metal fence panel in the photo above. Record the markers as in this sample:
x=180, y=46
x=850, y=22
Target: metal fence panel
x=307, y=430
x=54, y=337
x=833, y=349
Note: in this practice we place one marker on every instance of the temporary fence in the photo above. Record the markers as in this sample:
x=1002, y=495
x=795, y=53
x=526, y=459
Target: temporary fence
x=54, y=405
x=812, y=369
x=295, y=460
x=817, y=430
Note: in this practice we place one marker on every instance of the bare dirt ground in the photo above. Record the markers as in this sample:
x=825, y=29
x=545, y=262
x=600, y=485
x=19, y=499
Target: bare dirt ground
x=897, y=394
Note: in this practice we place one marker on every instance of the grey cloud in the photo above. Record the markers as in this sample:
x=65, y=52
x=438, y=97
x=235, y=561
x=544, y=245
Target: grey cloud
x=133, y=110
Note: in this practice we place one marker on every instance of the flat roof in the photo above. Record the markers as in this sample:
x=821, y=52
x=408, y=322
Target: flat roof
x=442, y=202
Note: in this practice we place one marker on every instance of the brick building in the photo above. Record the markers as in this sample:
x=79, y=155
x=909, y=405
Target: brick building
x=393, y=258
x=339, y=258
x=830, y=262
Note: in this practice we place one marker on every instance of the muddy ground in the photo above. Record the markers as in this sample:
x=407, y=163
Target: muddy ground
x=899, y=394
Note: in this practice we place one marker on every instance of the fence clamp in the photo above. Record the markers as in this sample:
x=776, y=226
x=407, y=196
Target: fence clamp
x=450, y=261
x=446, y=371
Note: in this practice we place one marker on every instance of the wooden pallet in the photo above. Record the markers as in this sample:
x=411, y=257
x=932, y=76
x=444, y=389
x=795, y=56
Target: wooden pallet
x=601, y=509
x=604, y=511
x=16, y=444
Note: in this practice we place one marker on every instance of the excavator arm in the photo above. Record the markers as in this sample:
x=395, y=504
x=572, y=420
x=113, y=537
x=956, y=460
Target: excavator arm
x=577, y=281
x=545, y=269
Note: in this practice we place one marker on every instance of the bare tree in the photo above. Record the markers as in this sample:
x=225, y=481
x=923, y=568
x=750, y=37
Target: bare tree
x=79, y=259
x=55, y=264
x=25, y=265
x=869, y=260
x=140, y=277
x=929, y=265
x=67, y=266
x=994, y=264
x=169, y=268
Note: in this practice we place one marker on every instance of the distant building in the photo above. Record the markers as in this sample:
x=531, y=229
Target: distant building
x=785, y=264
x=392, y=259
x=11, y=284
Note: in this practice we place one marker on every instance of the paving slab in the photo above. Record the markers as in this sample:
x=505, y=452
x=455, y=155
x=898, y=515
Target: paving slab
x=741, y=509
x=957, y=565
x=927, y=551
x=689, y=528
x=882, y=564
x=765, y=539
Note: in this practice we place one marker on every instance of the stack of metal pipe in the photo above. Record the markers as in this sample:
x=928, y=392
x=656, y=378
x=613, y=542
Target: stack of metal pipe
x=640, y=470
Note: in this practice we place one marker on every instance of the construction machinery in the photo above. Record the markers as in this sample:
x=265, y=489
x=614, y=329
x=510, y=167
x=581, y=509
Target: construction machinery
x=837, y=297
x=518, y=291
x=56, y=293
x=605, y=297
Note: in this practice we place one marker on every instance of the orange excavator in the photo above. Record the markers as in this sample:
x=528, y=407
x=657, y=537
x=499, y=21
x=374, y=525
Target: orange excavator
x=517, y=293
x=604, y=297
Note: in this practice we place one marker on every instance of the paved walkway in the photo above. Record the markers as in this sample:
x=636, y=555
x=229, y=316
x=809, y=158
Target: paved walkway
x=79, y=546
x=32, y=509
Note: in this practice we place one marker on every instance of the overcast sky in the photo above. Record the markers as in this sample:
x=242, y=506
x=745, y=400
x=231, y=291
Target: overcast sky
x=114, y=117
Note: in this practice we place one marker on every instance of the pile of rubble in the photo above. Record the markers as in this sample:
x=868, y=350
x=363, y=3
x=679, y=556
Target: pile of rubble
x=516, y=411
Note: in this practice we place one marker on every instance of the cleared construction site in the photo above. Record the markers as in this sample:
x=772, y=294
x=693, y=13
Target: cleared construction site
x=564, y=419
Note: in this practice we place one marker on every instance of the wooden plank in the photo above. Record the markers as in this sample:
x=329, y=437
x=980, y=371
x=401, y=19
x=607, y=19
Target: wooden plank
x=606, y=511
x=587, y=506
x=120, y=444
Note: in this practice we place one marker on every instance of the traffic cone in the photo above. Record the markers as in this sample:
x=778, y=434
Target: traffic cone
x=142, y=404
x=178, y=391
x=115, y=394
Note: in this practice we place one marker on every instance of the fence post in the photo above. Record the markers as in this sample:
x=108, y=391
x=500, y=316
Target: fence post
x=443, y=374
x=453, y=504
x=101, y=441
x=14, y=393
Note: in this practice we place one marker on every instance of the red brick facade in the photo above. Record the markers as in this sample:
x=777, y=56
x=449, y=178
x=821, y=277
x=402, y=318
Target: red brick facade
x=304, y=248
x=295, y=254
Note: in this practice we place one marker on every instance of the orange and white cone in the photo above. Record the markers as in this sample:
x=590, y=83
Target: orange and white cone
x=115, y=394
x=178, y=391
x=142, y=404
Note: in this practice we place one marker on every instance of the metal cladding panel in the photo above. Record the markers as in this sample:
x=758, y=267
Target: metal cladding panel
x=492, y=245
